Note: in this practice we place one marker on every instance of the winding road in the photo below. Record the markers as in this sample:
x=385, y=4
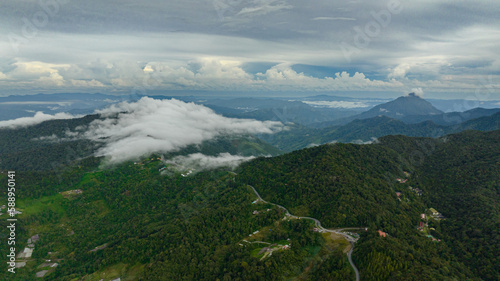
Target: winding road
x=317, y=223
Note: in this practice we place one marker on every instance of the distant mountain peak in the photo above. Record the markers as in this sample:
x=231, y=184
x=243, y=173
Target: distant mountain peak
x=407, y=105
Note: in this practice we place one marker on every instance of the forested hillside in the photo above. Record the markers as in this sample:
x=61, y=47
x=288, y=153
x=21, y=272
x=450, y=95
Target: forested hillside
x=461, y=177
x=146, y=221
x=367, y=130
x=353, y=185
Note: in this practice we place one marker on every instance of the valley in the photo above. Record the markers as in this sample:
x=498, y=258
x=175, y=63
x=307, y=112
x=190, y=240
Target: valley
x=237, y=208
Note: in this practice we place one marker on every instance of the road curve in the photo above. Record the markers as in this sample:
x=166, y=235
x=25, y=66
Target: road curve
x=318, y=225
x=352, y=263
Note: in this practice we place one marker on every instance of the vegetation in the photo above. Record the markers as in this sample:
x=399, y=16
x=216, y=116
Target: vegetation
x=366, y=130
x=134, y=222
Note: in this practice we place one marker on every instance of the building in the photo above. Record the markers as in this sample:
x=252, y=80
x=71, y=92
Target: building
x=35, y=238
x=419, y=191
x=381, y=233
x=433, y=211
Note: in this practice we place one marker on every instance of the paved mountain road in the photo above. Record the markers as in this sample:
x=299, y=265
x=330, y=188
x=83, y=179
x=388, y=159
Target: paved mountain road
x=349, y=238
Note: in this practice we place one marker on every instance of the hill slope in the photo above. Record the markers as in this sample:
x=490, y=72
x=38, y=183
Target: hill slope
x=339, y=183
x=137, y=222
x=366, y=130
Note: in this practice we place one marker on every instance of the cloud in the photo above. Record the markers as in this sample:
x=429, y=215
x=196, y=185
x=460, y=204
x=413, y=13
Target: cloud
x=84, y=83
x=37, y=119
x=337, y=104
x=263, y=7
x=132, y=130
x=115, y=48
x=400, y=71
x=372, y=141
x=198, y=161
x=418, y=92
x=333, y=18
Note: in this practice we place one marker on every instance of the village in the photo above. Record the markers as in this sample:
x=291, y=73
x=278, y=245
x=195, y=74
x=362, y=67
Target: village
x=432, y=213
x=258, y=235
x=25, y=256
x=423, y=225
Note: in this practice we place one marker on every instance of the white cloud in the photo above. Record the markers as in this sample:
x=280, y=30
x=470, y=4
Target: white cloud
x=372, y=141
x=54, y=79
x=262, y=7
x=86, y=84
x=400, y=71
x=337, y=104
x=36, y=69
x=37, y=119
x=283, y=77
x=198, y=161
x=132, y=130
x=333, y=18
x=51, y=138
x=418, y=91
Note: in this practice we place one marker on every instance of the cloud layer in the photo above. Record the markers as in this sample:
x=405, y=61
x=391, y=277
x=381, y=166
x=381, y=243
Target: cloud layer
x=132, y=130
x=198, y=161
x=447, y=48
x=35, y=120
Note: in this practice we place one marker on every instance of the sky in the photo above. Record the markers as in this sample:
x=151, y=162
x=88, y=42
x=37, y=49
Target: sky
x=444, y=49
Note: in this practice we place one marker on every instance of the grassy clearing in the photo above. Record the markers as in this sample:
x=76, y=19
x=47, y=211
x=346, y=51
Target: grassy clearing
x=35, y=206
x=109, y=273
x=255, y=253
x=70, y=194
x=336, y=241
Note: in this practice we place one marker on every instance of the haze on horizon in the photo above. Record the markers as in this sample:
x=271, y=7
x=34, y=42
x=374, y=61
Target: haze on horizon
x=272, y=47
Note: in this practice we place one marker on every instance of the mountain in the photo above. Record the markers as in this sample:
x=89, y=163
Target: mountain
x=366, y=130
x=456, y=174
x=403, y=106
x=135, y=222
x=461, y=105
x=412, y=109
x=451, y=118
x=371, y=128
x=276, y=110
x=485, y=123
x=459, y=175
